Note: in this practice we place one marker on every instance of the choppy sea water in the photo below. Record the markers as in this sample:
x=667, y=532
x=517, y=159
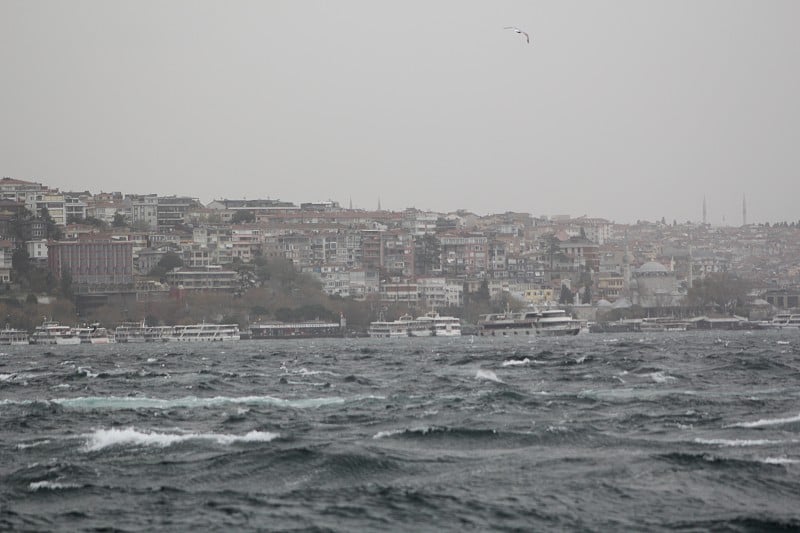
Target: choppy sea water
x=669, y=431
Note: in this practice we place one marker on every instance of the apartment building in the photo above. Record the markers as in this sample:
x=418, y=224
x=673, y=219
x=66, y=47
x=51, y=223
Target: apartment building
x=464, y=255
x=52, y=201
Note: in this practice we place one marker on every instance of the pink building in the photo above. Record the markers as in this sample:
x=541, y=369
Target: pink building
x=95, y=265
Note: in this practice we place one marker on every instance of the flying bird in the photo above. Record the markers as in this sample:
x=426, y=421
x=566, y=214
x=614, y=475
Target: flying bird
x=517, y=30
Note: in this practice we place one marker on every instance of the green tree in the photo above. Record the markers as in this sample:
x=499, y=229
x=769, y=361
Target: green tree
x=483, y=294
x=67, y=290
x=586, y=283
x=553, y=249
x=170, y=261
x=119, y=220
x=20, y=263
x=723, y=290
x=428, y=254
x=566, y=296
x=245, y=215
x=52, y=231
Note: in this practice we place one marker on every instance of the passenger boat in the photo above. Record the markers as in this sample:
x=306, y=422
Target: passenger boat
x=93, y=334
x=548, y=322
x=203, y=333
x=395, y=328
x=438, y=326
x=429, y=325
x=137, y=332
x=664, y=324
x=13, y=337
x=782, y=321
x=295, y=330
x=51, y=332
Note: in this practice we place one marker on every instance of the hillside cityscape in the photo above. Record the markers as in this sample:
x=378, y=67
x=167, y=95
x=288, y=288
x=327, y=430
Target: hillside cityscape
x=117, y=257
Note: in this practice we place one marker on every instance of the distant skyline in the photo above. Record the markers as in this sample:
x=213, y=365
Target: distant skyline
x=621, y=109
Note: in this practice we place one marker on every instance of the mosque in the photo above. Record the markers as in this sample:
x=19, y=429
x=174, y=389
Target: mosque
x=650, y=286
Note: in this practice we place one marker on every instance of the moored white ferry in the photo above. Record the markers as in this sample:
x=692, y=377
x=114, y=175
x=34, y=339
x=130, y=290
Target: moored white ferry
x=782, y=321
x=14, y=337
x=548, y=322
x=429, y=325
x=203, y=333
x=51, y=332
x=395, y=328
x=93, y=334
x=436, y=325
x=137, y=332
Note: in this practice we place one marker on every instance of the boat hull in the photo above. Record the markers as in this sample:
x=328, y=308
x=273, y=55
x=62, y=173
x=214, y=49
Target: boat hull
x=544, y=332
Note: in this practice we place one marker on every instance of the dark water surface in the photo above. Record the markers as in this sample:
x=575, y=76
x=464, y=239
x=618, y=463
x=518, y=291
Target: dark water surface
x=675, y=431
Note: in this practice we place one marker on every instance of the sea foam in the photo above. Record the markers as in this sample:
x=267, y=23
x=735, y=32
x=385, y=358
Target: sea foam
x=487, y=375
x=104, y=438
x=740, y=442
x=516, y=362
x=766, y=422
x=50, y=485
x=192, y=402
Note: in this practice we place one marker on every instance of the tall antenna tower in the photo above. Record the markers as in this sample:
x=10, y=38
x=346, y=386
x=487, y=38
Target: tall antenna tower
x=744, y=210
x=704, y=211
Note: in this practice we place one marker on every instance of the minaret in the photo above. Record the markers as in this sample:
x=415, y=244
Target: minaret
x=704, y=211
x=744, y=210
x=691, y=263
x=351, y=203
x=626, y=269
x=379, y=203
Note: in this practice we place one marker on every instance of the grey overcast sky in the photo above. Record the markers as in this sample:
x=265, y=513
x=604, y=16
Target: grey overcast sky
x=623, y=109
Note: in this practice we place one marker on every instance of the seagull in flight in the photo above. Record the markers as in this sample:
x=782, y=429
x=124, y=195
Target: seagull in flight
x=517, y=30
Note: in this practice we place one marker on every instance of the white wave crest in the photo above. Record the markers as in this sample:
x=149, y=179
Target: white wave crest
x=87, y=372
x=23, y=446
x=661, y=377
x=516, y=362
x=739, y=442
x=422, y=430
x=306, y=372
x=104, y=438
x=487, y=375
x=190, y=402
x=766, y=422
x=388, y=433
x=50, y=485
x=780, y=461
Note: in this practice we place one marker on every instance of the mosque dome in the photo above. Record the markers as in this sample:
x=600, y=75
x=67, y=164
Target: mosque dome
x=652, y=267
x=621, y=303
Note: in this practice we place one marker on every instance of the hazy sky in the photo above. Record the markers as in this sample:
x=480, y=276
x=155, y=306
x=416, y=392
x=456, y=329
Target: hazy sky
x=624, y=109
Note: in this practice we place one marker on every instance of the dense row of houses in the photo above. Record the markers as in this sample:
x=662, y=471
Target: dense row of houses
x=413, y=256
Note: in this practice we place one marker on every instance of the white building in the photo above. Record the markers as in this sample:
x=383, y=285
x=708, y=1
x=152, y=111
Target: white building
x=37, y=249
x=436, y=293
x=143, y=210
